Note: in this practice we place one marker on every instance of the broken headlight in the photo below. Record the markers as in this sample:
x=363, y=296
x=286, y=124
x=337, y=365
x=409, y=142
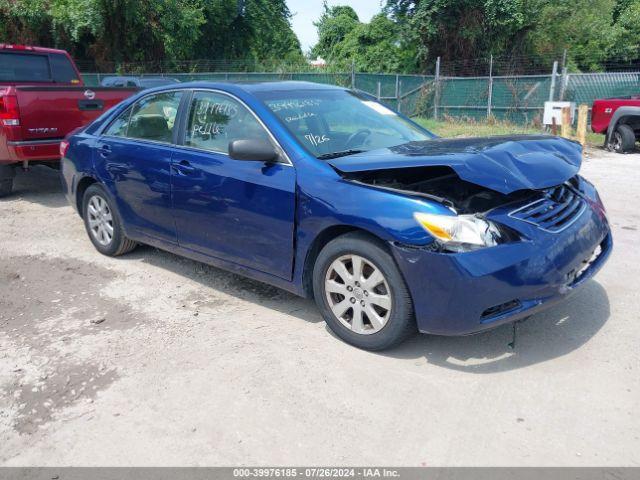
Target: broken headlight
x=460, y=233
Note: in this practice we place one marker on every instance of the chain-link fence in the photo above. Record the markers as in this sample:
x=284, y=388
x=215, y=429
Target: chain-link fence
x=449, y=93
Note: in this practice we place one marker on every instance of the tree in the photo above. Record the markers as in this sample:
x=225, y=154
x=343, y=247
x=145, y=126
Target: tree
x=153, y=33
x=334, y=25
x=376, y=47
x=625, y=41
x=462, y=31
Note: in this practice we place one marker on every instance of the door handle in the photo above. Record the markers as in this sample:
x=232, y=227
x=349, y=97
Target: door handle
x=105, y=150
x=183, y=167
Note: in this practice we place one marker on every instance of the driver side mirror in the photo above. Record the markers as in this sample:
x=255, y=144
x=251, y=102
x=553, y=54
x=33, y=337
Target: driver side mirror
x=254, y=149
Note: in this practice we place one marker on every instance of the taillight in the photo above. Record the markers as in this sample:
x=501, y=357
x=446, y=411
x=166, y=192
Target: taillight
x=64, y=147
x=9, y=112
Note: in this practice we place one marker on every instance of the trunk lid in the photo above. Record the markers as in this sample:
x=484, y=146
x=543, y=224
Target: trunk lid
x=504, y=164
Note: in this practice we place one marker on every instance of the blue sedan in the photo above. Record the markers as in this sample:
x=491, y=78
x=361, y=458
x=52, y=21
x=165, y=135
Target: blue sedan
x=327, y=193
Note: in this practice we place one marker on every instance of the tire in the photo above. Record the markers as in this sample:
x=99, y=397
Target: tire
x=7, y=174
x=6, y=186
x=387, y=327
x=623, y=139
x=103, y=223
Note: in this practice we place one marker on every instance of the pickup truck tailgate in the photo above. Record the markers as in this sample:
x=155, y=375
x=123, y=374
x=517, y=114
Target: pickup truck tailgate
x=52, y=112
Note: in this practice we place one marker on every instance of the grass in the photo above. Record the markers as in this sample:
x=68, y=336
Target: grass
x=459, y=128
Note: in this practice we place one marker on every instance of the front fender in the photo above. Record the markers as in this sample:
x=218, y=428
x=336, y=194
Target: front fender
x=617, y=115
x=327, y=201
x=387, y=215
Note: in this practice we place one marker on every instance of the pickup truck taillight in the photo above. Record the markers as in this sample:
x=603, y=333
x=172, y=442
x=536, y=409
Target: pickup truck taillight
x=9, y=112
x=64, y=146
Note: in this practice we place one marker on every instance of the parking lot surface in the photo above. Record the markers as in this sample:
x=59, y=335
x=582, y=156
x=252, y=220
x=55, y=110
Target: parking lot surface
x=152, y=359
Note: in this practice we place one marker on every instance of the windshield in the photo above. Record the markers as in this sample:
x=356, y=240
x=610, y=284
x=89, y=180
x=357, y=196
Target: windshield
x=156, y=82
x=332, y=123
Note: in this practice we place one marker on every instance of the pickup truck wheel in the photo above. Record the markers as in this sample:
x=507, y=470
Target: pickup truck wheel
x=6, y=186
x=103, y=223
x=7, y=173
x=623, y=139
x=361, y=293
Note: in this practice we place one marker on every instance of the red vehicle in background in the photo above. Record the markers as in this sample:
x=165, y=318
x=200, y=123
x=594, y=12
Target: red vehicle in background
x=619, y=120
x=42, y=99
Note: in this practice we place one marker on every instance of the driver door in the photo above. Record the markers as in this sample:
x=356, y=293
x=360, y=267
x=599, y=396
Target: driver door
x=236, y=210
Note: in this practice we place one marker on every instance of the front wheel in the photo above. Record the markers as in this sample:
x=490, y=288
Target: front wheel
x=103, y=223
x=623, y=139
x=361, y=293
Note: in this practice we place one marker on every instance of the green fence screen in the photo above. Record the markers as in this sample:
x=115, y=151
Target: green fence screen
x=518, y=99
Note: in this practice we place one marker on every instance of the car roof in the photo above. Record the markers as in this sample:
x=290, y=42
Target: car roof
x=29, y=49
x=251, y=87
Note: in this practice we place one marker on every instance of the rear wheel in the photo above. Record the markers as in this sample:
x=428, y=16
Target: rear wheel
x=361, y=293
x=103, y=223
x=623, y=139
x=7, y=173
x=6, y=186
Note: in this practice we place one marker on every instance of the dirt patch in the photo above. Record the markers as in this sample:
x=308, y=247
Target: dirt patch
x=46, y=305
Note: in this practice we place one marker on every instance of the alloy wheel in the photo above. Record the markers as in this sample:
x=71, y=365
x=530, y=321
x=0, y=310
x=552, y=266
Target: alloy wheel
x=100, y=220
x=358, y=294
x=617, y=142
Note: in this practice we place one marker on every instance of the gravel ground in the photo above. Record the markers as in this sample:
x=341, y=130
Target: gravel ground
x=152, y=359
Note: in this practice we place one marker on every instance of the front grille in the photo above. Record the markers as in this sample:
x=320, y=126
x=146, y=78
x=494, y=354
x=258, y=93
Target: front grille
x=559, y=208
x=499, y=309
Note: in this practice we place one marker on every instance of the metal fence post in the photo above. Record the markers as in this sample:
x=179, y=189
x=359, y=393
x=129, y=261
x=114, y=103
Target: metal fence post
x=565, y=75
x=490, y=94
x=552, y=88
x=378, y=91
x=399, y=96
x=436, y=96
x=353, y=74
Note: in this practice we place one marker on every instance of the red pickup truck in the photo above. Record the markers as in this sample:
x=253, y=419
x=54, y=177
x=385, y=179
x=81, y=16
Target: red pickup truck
x=619, y=120
x=42, y=98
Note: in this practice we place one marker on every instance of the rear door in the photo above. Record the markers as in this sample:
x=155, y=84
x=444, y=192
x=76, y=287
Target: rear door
x=133, y=158
x=239, y=211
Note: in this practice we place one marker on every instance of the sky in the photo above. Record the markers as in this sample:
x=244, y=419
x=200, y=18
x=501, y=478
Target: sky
x=305, y=12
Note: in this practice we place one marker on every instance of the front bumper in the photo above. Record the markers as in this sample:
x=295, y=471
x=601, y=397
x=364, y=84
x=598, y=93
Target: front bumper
x=464, y=293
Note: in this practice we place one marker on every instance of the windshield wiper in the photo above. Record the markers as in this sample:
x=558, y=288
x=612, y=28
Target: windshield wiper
x=342, y=153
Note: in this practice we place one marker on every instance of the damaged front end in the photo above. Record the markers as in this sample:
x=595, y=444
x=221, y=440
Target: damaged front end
x=472, y=177
x=467, y=228
x=440, y=184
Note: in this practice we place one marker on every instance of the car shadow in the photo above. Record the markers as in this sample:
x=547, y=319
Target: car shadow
x=41, y=185
x=545, y=336
x=551, y=334
x=228, y=283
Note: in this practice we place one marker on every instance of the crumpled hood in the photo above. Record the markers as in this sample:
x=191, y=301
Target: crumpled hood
x=504, y=164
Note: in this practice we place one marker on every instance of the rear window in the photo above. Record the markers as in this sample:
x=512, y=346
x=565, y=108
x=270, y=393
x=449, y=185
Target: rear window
x=61, y=69
x=30, y=67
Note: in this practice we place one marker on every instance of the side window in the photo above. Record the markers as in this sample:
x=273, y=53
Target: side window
x=118, y=127
x=216, y=119
x=154, y=117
